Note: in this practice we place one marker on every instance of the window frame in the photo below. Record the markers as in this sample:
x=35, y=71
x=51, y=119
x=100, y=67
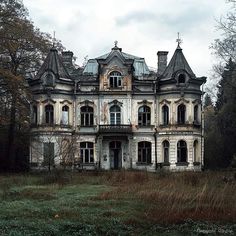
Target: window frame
x=145, y=152
x=182, y=148
x=63, y=112
x=144, y=117
x=86, y=116
x=181, y=114
x=49, y=114
x=115, y=80
x=166, y=151
x=165, y=115
x=115, y=116
x=87, y=152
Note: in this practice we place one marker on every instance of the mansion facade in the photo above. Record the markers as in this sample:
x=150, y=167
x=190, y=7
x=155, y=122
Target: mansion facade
x=115, y=112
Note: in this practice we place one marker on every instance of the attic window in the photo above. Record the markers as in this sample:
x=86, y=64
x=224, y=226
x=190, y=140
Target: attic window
x=181, y=79
x=49, y=80
x=115, y=79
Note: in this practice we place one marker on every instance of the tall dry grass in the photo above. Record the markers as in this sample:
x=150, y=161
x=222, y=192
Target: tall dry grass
x=176, y=197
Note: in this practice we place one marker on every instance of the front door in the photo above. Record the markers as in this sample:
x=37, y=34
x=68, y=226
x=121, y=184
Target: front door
x=116, y=158
x=115, y=155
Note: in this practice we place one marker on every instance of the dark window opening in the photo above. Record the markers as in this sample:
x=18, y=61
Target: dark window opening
x=115, y=145
x=144, y=116
x=195, y=118
x=35, y=115
x=181, y=114
x=115, y=79
x=165, y=114
x=144, y=152
x=86, y=152
x=115, y=115
x=166, y=151
x=181, y=79
x=49, y=114
x=86, y=116
x=181, y=151
x=48, y=154
x=49, y=80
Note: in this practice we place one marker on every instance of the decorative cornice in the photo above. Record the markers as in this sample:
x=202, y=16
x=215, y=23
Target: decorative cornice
x=49, y=101
x=165, y=101
x=87, y=103
x=196, y=101
x=66, y=101
x=182, y=100
x=145, y=102
x=115, y=102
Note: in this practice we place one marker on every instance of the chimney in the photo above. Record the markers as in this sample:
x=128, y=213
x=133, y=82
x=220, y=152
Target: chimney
x=162, y=61
x=67, y=57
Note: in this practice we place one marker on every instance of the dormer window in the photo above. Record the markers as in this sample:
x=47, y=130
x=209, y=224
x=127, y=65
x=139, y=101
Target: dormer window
x=49, y=80
x=115, y=79
x=181, y=79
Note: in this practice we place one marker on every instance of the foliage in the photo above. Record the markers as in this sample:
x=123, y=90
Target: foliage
x=22, y=49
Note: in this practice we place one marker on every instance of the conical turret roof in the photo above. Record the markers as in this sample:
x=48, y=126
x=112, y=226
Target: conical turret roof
x=54, y=64
x=177, y=62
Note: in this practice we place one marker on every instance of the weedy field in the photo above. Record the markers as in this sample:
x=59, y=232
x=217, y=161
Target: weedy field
x=118, y=203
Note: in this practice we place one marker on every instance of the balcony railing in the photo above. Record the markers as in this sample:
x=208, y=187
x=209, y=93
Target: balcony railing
x=121, y=129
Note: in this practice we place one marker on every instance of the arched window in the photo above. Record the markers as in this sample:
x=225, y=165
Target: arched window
x=86, y=152
x=195, y=151
x=35, y=115
x=49, y=80
x=165, y=115
x=166, y=145
x=144, y=116
x=86, y=117
x=49, y=114
x=65, y=115
x=181, y=151
x=115, y=79
x=144, y=152
x=181, y=114
x=115, y=115
x=181, y=79
x=195, y=115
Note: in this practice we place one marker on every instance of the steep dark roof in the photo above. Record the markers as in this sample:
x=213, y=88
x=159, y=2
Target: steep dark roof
x=177, y=62
x=139, y=64
x=54, y=64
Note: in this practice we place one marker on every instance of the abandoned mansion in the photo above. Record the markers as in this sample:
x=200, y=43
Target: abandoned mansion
x=115, y=112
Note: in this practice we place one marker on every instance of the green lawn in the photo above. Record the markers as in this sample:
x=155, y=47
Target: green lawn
x=117, y=203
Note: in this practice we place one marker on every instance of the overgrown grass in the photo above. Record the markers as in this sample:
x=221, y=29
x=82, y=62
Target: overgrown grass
x=117, y=203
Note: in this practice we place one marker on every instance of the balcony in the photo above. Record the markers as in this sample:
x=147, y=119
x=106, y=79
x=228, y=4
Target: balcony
x=118, y=129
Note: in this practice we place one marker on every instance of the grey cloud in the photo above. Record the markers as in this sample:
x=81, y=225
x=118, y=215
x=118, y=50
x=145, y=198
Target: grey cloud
x=135, y=17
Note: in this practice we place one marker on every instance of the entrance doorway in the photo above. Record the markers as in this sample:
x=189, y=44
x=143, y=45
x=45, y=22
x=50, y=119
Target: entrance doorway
x=115, y=155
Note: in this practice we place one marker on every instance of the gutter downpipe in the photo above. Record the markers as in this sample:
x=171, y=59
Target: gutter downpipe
x=202, y=128
x=155, y=134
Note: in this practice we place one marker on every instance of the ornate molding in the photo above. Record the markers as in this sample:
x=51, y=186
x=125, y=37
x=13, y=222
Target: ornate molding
x=87, y=103
x=182, y=100
x=49, y=101
x=115, y=102
x=66, y=101
x=197, y=101
x=165, y=101
x=145, y=102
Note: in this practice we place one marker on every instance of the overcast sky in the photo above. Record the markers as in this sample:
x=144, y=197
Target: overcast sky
x=141, y=27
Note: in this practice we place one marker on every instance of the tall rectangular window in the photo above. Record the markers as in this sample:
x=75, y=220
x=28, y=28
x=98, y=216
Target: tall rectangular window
x=48, y=154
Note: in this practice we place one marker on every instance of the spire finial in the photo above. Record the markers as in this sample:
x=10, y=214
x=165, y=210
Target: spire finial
x=116, y=42
x=179, y=40
x=54, y=39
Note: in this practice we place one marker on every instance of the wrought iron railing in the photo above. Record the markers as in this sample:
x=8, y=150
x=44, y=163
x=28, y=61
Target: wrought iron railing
x=115, y=128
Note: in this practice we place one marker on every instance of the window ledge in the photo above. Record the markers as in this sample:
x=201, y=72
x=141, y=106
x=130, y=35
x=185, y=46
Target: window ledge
x=143, y=164
x=145, y=126
x=182, y=163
